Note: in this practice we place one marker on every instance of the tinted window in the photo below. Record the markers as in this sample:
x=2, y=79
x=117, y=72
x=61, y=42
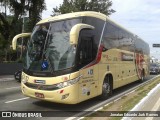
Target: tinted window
x=110, y=36
x=141, y=46
x=126, y=41
x=116, y=37
x=98, y=24
x=86, y=51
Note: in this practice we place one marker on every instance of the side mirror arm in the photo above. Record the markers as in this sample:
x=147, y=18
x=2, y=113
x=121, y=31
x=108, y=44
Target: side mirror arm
x=14, y=41
x=74, y=33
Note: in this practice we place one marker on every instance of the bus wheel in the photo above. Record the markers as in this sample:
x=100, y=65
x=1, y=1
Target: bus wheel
x=106, y=88
x=142, y=76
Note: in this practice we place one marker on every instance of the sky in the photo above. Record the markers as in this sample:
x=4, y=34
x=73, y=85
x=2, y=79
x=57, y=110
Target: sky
x=141, y=17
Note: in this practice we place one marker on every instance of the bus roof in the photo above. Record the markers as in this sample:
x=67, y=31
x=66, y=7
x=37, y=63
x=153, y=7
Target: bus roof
x=81, y=14
x=74, y=15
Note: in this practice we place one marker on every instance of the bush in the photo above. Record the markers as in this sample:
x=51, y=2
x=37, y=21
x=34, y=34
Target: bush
x=19, y=60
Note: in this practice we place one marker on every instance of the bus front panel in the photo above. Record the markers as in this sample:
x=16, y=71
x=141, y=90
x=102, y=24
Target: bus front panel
x=60, y=89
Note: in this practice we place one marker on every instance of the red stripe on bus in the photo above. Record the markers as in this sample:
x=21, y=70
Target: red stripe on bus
x=98, y=58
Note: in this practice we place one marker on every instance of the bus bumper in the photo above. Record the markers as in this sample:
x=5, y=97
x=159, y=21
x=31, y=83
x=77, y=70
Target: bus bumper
x=67, y=95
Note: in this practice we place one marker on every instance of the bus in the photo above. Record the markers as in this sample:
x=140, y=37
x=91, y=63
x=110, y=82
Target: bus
x=77, y=56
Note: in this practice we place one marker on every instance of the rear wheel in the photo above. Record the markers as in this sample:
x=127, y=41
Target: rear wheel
x=142, y=76
x=106, y=88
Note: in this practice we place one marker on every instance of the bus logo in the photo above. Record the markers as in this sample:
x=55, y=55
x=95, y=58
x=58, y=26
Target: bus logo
x=39, y=81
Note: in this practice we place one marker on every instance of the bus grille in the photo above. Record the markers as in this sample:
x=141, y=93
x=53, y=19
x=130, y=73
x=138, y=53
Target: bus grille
x=41, y=87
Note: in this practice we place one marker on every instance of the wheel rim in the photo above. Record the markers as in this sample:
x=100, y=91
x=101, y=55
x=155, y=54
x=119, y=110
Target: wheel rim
x=142, y=78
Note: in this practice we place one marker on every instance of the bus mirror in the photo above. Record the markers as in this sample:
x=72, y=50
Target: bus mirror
x=74, y=34
x=14, y=41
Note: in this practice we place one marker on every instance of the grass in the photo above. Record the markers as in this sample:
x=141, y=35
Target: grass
x=128, y=102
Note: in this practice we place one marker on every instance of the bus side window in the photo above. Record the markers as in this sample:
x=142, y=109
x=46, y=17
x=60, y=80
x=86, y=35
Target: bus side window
x=86, y=49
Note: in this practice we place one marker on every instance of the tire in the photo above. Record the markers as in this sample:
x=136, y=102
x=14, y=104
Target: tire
x=106, y=88
x=17, y=76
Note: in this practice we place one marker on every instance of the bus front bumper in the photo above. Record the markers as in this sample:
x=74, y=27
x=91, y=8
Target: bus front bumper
x=67, y=95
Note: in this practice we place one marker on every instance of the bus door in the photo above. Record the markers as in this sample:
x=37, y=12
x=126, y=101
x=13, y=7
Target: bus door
x=139, y=64
x=89, y=71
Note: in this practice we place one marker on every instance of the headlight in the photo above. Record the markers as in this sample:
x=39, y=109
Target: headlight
x=68, y=83
x=24, y=78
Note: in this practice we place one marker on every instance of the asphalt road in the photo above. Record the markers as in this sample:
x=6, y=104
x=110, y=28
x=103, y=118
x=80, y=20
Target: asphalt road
x=11, y=99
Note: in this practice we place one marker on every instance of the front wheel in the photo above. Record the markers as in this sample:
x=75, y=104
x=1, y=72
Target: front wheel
x=106, y=88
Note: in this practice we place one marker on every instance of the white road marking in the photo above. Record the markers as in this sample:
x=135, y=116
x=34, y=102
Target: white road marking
x=98, y=109
x=17, y=100
x=70, y=118
x=12, y=87
x=7, y=79
x=117, y=99
x=130, y=92
x=80, y=118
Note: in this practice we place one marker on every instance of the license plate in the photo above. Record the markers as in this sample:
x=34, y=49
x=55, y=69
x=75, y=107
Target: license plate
x=39, y=95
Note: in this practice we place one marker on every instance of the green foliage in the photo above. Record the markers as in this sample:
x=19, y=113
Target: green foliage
x=3, y=43
x=12, y=25
x=2, y=54
x=19, y=60
x=68, y=6
x=8, y=55
x=35, y=9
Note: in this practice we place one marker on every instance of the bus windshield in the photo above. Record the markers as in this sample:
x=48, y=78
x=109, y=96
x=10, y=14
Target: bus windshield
x=49, y=48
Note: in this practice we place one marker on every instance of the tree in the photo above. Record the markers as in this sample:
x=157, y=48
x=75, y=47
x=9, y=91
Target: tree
x=35, y=8
x=12, y=25
x=18, y=8
x=68, y=6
